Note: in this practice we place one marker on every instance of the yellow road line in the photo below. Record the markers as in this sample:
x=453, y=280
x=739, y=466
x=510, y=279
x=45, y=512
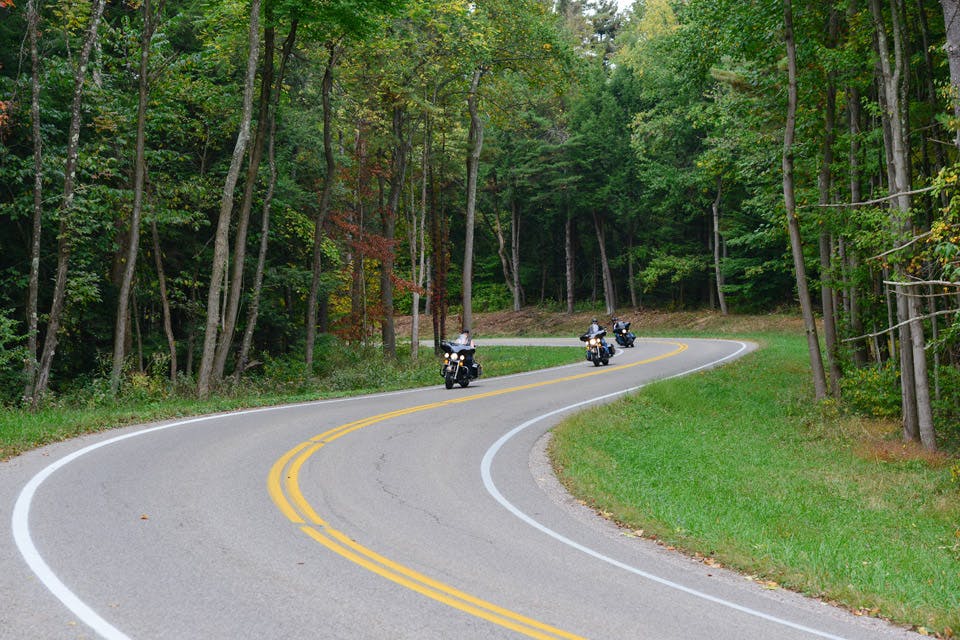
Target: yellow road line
x=436, y=590
x=283, y=481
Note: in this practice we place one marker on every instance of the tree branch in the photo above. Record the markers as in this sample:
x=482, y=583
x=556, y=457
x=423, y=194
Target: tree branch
x=867, y=202
x=943, y=312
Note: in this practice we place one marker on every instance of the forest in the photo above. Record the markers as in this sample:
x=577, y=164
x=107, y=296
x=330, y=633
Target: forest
x=190, y=189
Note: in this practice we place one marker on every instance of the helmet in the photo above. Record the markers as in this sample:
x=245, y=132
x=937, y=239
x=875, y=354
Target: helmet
x=594, y=321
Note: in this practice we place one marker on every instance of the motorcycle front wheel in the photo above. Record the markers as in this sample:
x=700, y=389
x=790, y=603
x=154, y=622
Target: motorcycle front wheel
x=448, y=380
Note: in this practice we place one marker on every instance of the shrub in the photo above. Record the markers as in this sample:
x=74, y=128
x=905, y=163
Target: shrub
x=12, y=357
x=873, y=391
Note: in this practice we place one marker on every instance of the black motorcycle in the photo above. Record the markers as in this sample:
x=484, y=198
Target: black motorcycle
x=458, y=364
x=598, y=351
x=621, y=331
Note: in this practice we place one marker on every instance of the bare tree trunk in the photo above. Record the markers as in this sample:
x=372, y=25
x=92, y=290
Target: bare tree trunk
x=717, y=243
x=418, y=241
x=164, y=302
x=475, y=145
x=505, y=261
x=30, y=369
x=388, y=217
x=608, y=293
x=915, y=392
x=856, y=319
x=569, y=259
x=515, y=255
x=139, y=178
x=235, y=287
x=255, y=290
x=806, y=308
x=226, y=209
x=66, y=206
x=951, y=18
x=825, y=186
x=333, y=52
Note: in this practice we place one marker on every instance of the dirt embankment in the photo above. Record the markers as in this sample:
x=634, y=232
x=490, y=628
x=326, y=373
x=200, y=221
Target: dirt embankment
x=533, y=321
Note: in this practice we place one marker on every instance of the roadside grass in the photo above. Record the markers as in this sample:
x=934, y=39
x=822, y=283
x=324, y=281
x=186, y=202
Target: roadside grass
x=740, y=466
x=144, y=399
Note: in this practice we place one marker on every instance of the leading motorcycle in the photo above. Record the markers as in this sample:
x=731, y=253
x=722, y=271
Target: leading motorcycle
x=458, y=364
x=598, y=352
x=622, y=333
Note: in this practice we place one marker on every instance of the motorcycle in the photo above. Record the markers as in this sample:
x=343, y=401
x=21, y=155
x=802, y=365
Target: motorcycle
x=597, y=351
x=622, y=333
x=458, y=364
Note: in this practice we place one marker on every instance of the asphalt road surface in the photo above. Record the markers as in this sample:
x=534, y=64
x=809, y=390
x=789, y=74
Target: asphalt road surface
x=424, y=514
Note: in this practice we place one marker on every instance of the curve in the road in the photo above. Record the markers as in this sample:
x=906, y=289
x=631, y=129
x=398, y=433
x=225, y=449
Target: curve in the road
x=284, y=488
x=487, y=463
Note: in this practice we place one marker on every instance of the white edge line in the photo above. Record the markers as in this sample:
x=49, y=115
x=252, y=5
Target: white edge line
x=20, y=520
x=485, y=473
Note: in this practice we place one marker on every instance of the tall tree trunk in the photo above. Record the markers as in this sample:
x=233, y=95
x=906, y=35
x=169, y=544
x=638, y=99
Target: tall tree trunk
x=333, y=52
x=853, y=124
x=825, y=187
x=388, y=217
x=717, y=244
x=505, y=261
x=631, y=274
x=515, y=255
x=235, y=286
x=255, y=290
x=66, y=206
x=440, y=241
x=609, y=297
x=475, y=145
x=139, y=177
x=221, y=241
x=30, y=368
x=418, y=243
x=793, y=223
x=951, y=18
x=893, y=79
x=164, y=302
x=568, y=260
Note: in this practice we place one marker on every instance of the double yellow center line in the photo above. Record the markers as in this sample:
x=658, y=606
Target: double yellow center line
x=284, y=488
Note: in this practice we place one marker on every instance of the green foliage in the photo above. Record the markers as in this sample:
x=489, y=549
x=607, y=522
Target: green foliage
x=659, y=463
x=13, y=354
x=492, y=297
x=873, y=390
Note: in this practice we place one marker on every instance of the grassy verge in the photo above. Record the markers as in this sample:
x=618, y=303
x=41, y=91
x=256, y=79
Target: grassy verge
x=741, y=466
x=143, y=399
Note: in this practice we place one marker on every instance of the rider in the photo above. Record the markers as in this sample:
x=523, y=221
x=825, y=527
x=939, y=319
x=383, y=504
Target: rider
x=596, y=328
x=465, y=339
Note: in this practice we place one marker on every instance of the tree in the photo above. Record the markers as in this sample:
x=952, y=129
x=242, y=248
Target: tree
x=139, y=172
x=66, y=206
x=221, y=239
x=813, y=343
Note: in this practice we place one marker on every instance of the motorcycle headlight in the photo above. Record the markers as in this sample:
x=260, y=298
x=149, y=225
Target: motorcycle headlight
x=593, y=341
x=455, y=357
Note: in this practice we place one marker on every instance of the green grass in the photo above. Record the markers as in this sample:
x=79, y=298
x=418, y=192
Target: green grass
x=343, y=373
x=739, y=464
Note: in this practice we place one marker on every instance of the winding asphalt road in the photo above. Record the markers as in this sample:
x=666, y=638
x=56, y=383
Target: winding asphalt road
x=415, y=515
